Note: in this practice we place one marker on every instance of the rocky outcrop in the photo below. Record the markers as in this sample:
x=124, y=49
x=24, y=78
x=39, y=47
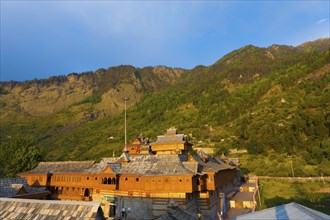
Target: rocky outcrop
x=102, y=90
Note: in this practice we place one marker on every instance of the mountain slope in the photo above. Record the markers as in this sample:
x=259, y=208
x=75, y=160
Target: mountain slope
x=104, y=88
x=272, y=101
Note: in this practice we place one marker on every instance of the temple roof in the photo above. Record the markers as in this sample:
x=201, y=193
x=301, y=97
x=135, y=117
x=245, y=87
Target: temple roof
x=62, y=167
x=17, y=187
x=145, y=165
x=99, y=167
x=171, y=136
x=156, y=165
x=178, y=138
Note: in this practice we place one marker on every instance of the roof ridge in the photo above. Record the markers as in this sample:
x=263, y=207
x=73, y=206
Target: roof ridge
x=50, y=201
x=68, y=161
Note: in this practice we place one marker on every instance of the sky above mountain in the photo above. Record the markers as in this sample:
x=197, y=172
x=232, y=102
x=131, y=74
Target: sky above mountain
x=47, y=38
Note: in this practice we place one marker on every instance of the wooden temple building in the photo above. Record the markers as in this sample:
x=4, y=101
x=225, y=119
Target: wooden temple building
x=146, y=178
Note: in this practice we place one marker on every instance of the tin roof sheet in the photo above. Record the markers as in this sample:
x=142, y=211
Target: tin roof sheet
x=290, y=211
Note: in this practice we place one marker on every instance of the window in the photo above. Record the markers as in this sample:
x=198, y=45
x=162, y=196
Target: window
x=87, y=178
x=126, y=179
x=95, y=178
x=137, y=179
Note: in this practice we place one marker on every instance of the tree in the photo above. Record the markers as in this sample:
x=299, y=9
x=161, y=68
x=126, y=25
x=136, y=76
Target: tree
x=18, y=155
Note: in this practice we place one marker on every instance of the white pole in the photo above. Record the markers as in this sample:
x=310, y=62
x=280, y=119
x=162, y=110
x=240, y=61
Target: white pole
x=292, y=168
x=259, y=195
x=125, y=126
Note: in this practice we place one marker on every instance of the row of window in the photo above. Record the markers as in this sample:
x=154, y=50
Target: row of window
x=104, y=180
x=112, y=181
x=159, y=180
x=73, y=191
x=78, y=179
x=66, y=179
x=66, y=190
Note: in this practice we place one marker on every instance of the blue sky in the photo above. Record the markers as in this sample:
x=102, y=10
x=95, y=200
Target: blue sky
x=40, y=39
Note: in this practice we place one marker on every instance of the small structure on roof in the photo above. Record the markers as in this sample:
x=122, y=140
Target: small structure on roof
x=140, y=145
x=290, y=211
x=12, y=209
x=171, y=143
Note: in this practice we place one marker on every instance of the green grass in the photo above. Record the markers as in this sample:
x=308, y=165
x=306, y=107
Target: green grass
x=314, y=195
x=277, y=165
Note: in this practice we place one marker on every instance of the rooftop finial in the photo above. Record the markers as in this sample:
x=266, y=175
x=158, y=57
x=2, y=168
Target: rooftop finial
x=171, y=131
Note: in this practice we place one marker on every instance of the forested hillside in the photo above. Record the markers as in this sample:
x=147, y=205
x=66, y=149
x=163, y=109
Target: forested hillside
x=272, y=101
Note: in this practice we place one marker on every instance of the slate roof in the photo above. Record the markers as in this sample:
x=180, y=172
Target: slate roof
x=243, y=196
x=18, y=187
x=291, y=211
x=62, y=167
x=99, y=167
x=149, y=165
x=162, y=139
x=192, y=166
x=215, y=167
x=155, y=165
x=12, y=209
x=212, y=165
